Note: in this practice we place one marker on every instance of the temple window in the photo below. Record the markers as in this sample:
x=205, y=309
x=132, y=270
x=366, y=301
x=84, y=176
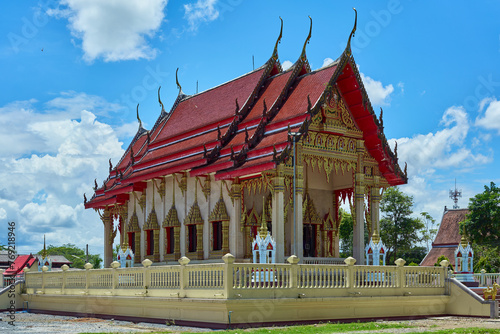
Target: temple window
x=191, y=238
x=131, y=241
x=169, y=240
x=217, y=235
x=150, y=242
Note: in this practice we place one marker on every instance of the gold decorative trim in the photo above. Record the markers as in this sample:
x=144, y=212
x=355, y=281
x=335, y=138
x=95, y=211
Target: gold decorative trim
x=310, y=215
x=152, y=221
x=194, y=215
x=172, y=218
x=219, y=213
x=133, y=224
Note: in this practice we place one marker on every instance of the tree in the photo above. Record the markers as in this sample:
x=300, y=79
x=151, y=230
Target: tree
x=482, y=224
x=346, y=233
x=399, y=231
x=482, y=228
x=75, y=255
x=429, y=233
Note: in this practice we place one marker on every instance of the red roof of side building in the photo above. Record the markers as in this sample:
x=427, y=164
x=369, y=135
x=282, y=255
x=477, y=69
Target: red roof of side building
x=19, y=264
x=230, y=131
x=447, y=238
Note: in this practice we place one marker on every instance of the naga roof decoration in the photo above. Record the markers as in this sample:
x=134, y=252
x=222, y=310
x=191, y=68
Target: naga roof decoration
x=241, y=127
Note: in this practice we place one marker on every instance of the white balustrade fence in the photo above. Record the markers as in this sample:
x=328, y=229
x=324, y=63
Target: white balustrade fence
x=243, y=280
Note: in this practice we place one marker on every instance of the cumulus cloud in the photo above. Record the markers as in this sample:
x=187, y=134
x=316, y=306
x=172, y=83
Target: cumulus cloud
x=113, y=29
x=491, y=118
x=42, y=191
x=443, y=149
x=327, y=62
x=378, y=94
x=286, y=65
x=200, y=12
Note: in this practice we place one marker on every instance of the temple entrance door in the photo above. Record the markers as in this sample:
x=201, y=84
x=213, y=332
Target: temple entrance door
x=309, y=240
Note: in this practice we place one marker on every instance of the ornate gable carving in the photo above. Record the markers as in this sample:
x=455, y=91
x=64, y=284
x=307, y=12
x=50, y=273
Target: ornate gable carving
x=219, y=213
x=310, y=215
x=133, y=224
x=172, y=219
x=334, y=113
x=152, y=221
x=194, y=215
x=329, y=223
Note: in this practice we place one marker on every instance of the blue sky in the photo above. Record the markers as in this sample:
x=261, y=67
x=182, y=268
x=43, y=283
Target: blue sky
x=72, y=72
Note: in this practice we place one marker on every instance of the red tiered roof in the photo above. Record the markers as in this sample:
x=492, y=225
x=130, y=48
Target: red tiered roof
x=212, y=133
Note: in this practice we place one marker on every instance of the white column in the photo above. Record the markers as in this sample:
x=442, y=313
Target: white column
x=278, y=216
x=359, y=199
x=236, y=240
x=299, y=215
x=375, y=209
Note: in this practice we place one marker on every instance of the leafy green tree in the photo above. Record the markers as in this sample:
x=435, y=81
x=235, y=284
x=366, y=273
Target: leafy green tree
x=430, y=231
x=482, y=224
x=482, y=228
x=399, y=231
x=346, y=233
x=75, y=255
x=441, y=258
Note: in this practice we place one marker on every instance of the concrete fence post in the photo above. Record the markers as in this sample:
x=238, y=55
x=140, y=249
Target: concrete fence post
x=64, y=269
x=350, y=261
x=400, y=273
x=183, y=279
x=44, y=270
x=483, y=278
x=228, y=275
x=444, y=264
x=87, y=267
x=115, y=265
x=147, y=279
x=294, y=268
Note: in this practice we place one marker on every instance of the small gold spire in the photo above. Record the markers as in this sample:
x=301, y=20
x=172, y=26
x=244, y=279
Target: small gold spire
x=463, y=241
x=44, y=251
x=375, y=237
x=263, y=224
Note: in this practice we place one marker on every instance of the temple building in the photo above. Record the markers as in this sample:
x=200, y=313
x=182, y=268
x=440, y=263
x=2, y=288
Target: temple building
x=448, y=237
x=282, y=146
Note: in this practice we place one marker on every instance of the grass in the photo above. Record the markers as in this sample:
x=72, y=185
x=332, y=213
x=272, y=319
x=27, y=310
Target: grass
x=310, y=329
x=348, y=327
x=474, y=330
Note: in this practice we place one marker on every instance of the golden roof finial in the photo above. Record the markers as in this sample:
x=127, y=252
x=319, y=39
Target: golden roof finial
x=303, y=54
x=177, y=81
x=348, y=47
x=159, y=101
x=275, y=51
x=138, y=118
x=263, y=223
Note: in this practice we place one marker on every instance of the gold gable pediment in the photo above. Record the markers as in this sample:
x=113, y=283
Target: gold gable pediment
x=309, y=213
x=133, y=224
x=194, y=215
x=172, y=219
x=152, y=221
x=335, y=115
x=219, y=213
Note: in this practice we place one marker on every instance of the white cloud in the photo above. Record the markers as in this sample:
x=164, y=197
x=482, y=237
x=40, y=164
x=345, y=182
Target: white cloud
x=286, y=65
x=199, y=12
x=327, y=62
x=491, y=118
x=42, y=191
x=443, y=149
x=378, y=94
x=113, y=29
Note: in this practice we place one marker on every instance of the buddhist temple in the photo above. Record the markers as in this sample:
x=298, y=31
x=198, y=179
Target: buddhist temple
x=283, y=146
x=448, y=237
